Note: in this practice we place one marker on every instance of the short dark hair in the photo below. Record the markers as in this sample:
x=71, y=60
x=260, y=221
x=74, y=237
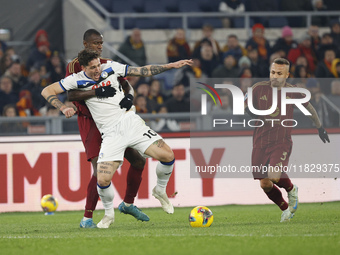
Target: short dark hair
x=281, y=61
x=86, y=56
x=233, y=36
x=90, y=32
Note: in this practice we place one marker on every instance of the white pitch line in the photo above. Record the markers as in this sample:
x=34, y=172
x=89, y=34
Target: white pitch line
x=175, y=235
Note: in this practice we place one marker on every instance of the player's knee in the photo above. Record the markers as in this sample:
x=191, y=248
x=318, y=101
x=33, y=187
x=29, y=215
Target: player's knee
x=275, y=180
x=168, y=156
x=266, y=184
x=102, y=181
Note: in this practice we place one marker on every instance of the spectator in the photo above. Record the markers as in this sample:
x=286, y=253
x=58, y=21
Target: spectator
x=207, y=31
x=244, y=62
x=155, y=98
x=7, y=96
x=286, y=42
x=313, y=86
x=141, y=104
x=301, y=60
x=55, y=67
x=178, y=102
x=336, y=68
x=10, y=111
x=184, y=74
x=228, y=69
x=325, y=44
x=313, y=32
x=208, y=60
x=259, y=67
x=41, y=52
x=300, y=76
x=335, y=32
x=223, y=109
x=178, y=48
x=259, y=42
x=143, y=89
x=34, y=86
x=234, y=46
x=133, y=48
x=15, y=73
x=25, y=106
x=230, y=6
x=321, y=21
x=5, y=63
x=324, y=68
x=335, y=87
x=245, y=73
x=245, y=83
x=304, y=49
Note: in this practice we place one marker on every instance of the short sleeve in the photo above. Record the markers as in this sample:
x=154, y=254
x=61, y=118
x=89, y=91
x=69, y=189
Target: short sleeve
x=68, y=83
x=118, y=68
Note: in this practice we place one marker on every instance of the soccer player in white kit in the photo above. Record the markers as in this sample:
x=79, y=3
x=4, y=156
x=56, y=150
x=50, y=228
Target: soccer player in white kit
x=120, y=127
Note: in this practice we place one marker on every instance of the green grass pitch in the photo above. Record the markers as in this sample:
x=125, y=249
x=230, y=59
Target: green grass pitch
x=237, y=229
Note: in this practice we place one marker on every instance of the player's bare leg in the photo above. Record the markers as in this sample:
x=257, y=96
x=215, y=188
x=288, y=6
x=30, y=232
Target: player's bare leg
x=91, y=199
x=105, y=171
x=134, y=178
x=160, y=151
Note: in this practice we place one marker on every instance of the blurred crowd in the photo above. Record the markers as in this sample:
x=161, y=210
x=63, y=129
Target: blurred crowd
x=313, y=55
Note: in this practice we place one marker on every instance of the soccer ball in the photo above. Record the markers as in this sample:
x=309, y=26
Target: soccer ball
x=49, y=203
x=201, y=216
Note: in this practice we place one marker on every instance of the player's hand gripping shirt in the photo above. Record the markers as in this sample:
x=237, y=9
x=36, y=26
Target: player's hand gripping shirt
x=106, y=112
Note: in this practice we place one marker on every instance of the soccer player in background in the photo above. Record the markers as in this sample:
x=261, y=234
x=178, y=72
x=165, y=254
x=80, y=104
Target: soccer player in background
x=272, y=145
x=93, y=40
x=119, y=126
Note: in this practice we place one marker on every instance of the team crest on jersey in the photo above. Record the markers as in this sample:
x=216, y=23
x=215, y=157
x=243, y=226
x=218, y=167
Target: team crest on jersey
x=101, y=155
x=104, y=75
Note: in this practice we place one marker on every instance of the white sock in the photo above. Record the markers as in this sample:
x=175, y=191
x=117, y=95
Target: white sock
x=127, y=204
x=106, y=194
x=85, y=218
x=163, y=175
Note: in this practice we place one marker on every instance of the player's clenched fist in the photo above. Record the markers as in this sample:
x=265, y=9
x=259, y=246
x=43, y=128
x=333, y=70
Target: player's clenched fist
x=68, y=112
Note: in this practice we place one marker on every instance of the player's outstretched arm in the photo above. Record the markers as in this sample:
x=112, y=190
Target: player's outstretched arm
x=101, y=92
x=50, y=94
x=150, y=70
x=315, y=118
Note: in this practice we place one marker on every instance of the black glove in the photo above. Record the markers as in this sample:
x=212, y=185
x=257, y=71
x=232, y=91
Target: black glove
x=104, y=92
x=323, y=134
x=126, y=102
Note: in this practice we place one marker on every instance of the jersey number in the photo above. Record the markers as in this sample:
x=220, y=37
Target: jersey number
x=150, y=133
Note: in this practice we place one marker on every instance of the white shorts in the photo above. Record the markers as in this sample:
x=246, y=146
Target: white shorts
x=131, y=132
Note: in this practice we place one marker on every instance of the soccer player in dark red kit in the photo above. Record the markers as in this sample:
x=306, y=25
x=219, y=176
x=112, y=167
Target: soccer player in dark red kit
x=91, y=138
x=272, y=142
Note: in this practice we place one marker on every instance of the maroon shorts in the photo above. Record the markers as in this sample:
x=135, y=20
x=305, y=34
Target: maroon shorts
x=261, y=158
x=90, y=136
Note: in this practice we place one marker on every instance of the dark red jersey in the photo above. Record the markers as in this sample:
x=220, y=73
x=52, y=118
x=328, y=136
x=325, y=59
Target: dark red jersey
x=273, y=132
